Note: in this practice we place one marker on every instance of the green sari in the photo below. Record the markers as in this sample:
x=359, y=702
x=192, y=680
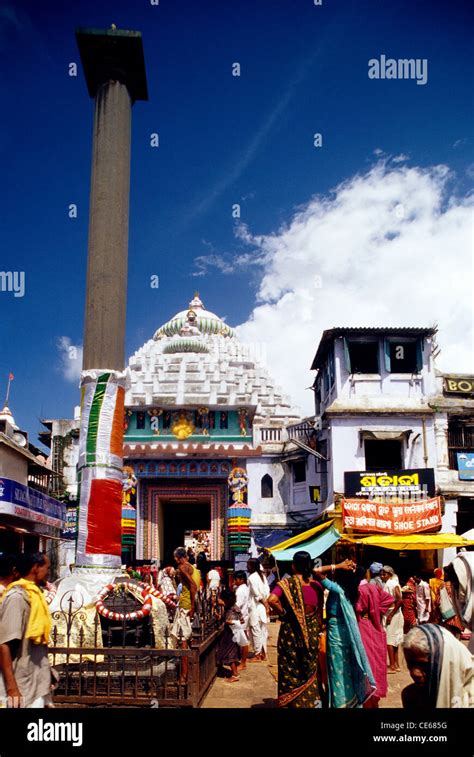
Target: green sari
x=298, y=648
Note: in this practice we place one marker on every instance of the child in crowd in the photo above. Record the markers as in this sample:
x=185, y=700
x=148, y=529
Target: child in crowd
x=228, y=651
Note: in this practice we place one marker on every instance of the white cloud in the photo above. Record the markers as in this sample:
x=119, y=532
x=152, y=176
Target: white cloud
x=70, y=358
x=390, y=248
x=224, y=263
x=204, y=262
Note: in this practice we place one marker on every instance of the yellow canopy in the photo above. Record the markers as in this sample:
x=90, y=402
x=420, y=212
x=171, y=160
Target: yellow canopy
x=301, y=537
x=412, y=541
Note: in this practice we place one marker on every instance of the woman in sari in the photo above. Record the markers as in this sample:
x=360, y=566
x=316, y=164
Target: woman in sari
x=441, y=667
x=409, y=605
x=299, y=600
x=436, y=584
x=372, y=604
x=351, y=680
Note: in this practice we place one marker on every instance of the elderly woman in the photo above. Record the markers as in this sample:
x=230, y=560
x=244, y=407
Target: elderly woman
x=299, y=600
x=441, y=667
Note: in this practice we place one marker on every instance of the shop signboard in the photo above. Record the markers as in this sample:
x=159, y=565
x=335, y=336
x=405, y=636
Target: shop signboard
x=459, y=385
x=390, y=518
x=414, y=483
x=466, y=466
x=24, y=502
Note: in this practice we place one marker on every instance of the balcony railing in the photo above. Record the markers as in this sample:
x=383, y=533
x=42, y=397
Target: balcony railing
x=271, y=434
x=301, y=431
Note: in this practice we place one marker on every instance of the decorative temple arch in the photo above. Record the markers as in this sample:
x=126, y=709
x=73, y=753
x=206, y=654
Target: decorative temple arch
x=152, y=493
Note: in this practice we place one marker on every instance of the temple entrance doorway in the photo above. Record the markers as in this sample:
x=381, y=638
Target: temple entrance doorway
x=173, y=509
x=179, y=518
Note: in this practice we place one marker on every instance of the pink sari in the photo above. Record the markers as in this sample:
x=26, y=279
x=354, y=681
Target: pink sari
x=374, y=602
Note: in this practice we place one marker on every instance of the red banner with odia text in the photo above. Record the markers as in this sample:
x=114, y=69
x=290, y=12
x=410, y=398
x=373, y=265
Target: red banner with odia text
x=392, y=518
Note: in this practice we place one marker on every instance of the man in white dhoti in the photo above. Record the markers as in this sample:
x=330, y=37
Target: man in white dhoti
x=242, y=602
x=259, y=592
x=393, y=622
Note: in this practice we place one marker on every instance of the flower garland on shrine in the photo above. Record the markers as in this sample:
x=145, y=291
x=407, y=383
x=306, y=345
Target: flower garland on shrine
x=239, y=513
x=112, y=614
x=144, y=590
x=170, y=600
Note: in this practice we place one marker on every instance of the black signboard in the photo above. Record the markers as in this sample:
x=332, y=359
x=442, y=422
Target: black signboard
x=415, y=482
x=459, y=385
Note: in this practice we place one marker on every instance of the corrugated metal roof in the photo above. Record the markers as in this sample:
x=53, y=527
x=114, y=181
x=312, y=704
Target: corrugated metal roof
x=330, y=334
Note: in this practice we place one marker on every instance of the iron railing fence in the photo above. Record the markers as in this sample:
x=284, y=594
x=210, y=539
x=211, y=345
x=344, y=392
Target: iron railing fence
x=128, y=671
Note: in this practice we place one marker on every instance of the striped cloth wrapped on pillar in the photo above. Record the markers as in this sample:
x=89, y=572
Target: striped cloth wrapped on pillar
x=99, y=542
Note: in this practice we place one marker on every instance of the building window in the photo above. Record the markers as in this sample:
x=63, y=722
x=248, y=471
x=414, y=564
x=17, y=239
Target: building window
x=212, y=419
x=224, y=420
x=361, y=357
x=140, y=420
x=460, y=439
x=267, y=486
x=403, y=355
x=166, y=419
x=383, y=455
x=329, y=372
x=299, y=471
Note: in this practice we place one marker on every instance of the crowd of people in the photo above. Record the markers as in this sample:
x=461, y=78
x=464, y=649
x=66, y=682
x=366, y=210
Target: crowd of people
x=340, y=634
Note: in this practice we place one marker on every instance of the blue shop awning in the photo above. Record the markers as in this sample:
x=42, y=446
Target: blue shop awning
x=315, y=545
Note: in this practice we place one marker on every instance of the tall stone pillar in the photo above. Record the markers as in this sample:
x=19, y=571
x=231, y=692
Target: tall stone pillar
x=106, y=292
x=114, y=69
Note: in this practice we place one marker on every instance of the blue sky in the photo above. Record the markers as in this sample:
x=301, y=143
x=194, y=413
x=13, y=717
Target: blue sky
x=223, y=140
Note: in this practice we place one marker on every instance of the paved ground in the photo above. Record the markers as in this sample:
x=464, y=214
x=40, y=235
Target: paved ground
x=257, y=687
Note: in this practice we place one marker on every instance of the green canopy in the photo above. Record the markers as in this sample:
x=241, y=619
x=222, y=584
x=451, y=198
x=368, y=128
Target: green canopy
x=315, y=545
